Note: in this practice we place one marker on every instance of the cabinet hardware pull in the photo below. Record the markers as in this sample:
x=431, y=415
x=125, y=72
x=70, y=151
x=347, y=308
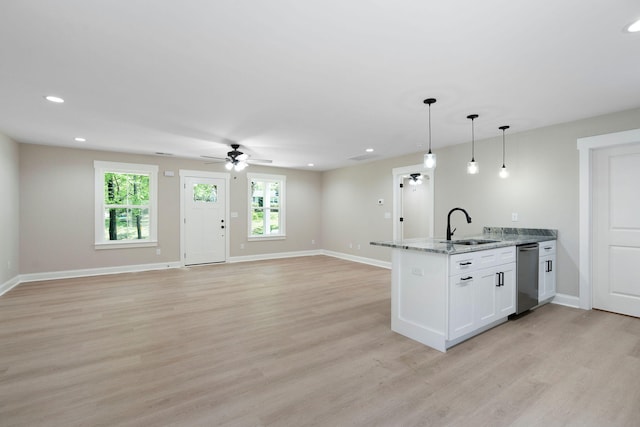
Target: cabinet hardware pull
x=547, y=248
x=498, y=274
x=466, y=263
x=466, y=278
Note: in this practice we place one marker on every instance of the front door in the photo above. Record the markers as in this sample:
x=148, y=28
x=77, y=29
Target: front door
x=616, y=229
x=205, y=224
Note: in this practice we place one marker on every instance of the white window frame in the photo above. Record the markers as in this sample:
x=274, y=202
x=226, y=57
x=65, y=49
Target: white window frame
x=101, y=168
x=263, y=177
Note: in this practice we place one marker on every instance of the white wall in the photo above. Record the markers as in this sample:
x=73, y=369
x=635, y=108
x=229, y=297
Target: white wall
x=9, y=210
x=57, y=210
x=542, y=189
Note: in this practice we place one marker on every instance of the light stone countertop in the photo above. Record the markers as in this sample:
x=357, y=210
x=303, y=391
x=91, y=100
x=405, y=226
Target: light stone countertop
x=504, y=237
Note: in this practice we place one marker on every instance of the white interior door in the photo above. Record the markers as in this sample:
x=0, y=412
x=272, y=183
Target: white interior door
x=205, y=223
x=616, y=229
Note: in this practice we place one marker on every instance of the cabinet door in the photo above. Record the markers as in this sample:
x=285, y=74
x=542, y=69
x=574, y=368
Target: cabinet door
x=461, y=305
x=485, y=296
x=506, y=293
x=550, y=280
x=546, y=277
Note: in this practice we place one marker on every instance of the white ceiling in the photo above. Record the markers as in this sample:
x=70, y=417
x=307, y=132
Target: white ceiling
x=307, y=81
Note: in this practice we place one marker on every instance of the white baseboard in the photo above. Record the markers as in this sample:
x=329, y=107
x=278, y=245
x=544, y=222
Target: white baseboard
x=276, y=255
x=362, y=260
x=568, y=300
x=33, y=277
x=9, y=284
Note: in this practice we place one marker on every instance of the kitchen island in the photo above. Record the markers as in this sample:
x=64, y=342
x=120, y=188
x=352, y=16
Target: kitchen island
x=444, y=292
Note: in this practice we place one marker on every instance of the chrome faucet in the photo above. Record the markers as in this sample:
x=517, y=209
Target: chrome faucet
x=449, y=232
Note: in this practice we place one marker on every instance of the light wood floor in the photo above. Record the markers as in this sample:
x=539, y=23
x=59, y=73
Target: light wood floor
x=295, y=342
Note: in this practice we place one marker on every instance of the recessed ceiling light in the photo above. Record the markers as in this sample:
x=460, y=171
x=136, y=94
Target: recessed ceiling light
x=53, y=98
x=80, y=139
x=369, y=150
x=310, y=165
x=635, y=27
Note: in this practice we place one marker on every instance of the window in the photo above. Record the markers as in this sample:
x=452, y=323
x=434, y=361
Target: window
x=126, y=205
x=266, y=206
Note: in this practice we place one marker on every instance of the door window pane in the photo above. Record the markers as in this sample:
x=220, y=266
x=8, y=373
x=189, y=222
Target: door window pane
x=207, y=193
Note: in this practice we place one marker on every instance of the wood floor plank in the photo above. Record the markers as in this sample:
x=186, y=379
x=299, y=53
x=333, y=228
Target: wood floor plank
x=295, y=342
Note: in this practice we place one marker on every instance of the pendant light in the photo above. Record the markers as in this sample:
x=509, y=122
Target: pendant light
x=430, y=158
x=503, y=170
x=472, y=166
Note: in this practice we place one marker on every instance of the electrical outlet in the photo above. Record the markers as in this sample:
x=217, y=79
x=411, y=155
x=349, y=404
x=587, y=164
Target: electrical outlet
x=158, y=251
x=350, y=245
x=313, y=242
x=241, y=245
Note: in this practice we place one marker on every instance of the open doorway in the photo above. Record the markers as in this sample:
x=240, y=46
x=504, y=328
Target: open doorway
x=413, y=202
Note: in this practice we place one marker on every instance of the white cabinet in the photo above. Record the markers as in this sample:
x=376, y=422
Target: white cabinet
x=441, y=300
x=547, y=271
x=483, y=293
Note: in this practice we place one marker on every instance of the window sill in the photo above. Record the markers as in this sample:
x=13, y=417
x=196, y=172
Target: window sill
x=260, y=238
x=123, y=245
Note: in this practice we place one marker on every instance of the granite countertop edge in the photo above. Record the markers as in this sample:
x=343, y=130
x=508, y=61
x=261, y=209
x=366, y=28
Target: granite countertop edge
x=505, y=237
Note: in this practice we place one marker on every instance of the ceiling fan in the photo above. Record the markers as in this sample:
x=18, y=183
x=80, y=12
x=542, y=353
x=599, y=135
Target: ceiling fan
x=236, y=159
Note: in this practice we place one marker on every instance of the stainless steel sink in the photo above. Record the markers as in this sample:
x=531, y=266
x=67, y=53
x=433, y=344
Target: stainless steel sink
x=470, y=242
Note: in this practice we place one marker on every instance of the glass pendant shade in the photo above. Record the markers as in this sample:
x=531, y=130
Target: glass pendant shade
x=472, y=167
x=429, y=160
x=504, y=173
x=228, y=166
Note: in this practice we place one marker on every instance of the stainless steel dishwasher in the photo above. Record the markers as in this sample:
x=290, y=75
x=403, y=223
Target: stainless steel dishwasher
x=527, y=277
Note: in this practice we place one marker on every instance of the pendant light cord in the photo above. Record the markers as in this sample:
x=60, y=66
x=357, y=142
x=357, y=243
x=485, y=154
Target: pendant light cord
x=503, y=128
x=429, y=101
x=473, y=141
x=473, y=136
x=502, y=147
x=429, y=128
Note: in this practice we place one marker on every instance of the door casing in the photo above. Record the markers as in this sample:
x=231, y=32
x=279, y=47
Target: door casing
x=586, y=147
x=203, y=174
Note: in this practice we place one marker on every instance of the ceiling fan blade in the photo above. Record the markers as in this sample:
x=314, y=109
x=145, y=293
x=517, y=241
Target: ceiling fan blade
x=265, y=161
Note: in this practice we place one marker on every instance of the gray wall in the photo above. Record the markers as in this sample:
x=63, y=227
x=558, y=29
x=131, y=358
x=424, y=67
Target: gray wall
x=542, y=189
x=338, y=209
x=57, y=210
x=9, y=210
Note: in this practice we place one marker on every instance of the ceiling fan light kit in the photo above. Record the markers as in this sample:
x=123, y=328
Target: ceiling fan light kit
x=236, y=160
